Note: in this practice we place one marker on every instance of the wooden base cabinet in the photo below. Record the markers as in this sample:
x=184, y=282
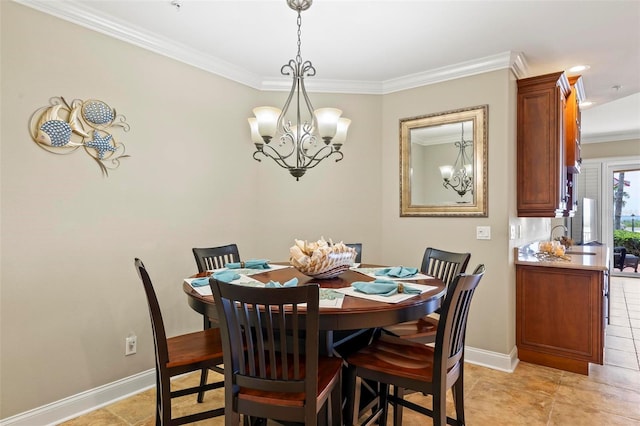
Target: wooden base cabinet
x=560, y=316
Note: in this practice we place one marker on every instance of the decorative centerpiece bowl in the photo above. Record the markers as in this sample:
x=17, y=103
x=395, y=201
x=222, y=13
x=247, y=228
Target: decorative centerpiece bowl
x=552, y=247
x=551, y=250
x=321, y=259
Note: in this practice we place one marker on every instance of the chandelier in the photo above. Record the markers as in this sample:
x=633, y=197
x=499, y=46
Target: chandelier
x=459, y=177
x=304, y=137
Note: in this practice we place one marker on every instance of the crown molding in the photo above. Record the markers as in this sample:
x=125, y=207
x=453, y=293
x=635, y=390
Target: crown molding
x=81, y=14
x=325, y=86
x=512, y=60
x=518, y=65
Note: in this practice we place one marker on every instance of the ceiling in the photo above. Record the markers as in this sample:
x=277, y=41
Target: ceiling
x=374, y=46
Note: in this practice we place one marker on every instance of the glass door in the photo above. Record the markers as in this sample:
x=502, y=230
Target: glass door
x=625, y=219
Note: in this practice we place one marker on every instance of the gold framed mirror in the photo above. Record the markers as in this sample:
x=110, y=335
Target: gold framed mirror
x=443, y=163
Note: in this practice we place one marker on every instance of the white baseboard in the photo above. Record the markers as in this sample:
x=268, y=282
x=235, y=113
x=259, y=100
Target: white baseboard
x=495, y=360
x=84, y=402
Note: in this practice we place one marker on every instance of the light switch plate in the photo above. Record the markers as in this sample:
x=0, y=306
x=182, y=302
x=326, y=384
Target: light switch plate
x=483, y=232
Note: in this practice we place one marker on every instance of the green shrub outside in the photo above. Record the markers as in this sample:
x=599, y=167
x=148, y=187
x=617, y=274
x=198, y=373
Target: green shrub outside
x=627, y=239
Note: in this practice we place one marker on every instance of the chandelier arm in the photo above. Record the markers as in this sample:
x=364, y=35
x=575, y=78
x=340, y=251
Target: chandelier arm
x=285, y=139
x=291, y=66
x=459, y=163
x=307, y=158
x=314, y=123
x=268, y=149
x=461, y=185
x=277, y=158
x=466, y=159
x=315, y=160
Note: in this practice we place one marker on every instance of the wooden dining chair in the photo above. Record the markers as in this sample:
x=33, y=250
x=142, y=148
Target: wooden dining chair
x=444, y=265
x=179, y=355
x=209, y=258
x=215, y=257
x=280, y=375
x=391, y=360
x=358, y=249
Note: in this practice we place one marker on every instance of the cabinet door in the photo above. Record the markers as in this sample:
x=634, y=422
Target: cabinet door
x=572, y=125
x=573, y=148
x=541, y=174
x=559, y=312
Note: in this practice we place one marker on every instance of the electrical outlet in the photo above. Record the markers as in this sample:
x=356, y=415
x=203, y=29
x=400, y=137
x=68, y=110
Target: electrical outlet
x=130, y=345
x=512, y=232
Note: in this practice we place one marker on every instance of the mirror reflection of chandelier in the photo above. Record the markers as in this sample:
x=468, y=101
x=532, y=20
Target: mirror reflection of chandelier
x=298, y=147
x=459, y=177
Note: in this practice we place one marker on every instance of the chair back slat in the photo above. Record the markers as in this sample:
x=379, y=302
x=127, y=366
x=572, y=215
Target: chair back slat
x=280, y=337
x=444, y=265
x=215, y=257
x=358, y=248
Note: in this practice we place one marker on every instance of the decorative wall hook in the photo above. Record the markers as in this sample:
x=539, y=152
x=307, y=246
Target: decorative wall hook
x=63, y=127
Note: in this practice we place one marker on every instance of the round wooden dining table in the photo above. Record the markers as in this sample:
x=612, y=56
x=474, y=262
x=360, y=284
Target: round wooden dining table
x=355, y=314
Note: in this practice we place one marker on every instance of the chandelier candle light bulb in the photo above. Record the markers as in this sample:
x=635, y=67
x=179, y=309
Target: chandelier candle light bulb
x=267, y=119
x=341, y=132
x=327, y=119
x=298, y=150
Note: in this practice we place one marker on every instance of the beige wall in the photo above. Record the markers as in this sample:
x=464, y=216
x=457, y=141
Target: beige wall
x=404, y=239
x=70, y=294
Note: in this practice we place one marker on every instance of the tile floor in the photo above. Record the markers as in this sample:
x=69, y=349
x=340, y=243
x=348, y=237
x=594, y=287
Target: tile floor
x=532, y=395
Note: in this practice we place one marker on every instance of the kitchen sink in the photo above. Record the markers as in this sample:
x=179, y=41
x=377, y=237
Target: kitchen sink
x=581, y=253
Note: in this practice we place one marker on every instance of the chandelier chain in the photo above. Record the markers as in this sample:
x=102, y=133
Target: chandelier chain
x=299, y=55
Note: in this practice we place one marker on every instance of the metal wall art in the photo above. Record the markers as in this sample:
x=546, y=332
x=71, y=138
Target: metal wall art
x=63, y=127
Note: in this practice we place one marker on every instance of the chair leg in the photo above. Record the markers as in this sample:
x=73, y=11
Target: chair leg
x=165, y=401
x=352, y=408
x=336, y=405
x=440, y=407
x=203, y=381
x=384, y=403
x=158, y=396
x=458, y=399
x=204, y=376
x=398, y=393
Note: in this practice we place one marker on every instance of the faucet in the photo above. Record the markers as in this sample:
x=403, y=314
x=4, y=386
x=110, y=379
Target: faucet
x=554, y=228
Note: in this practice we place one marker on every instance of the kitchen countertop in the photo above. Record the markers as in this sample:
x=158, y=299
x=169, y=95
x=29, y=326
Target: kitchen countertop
x=580, y=257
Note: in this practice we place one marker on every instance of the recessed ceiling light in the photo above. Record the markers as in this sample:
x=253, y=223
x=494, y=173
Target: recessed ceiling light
x=579, y=68
x=585, y=104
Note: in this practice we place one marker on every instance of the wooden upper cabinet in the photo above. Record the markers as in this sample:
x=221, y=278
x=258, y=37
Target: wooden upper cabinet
x=542, y=173
x=572, y=125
